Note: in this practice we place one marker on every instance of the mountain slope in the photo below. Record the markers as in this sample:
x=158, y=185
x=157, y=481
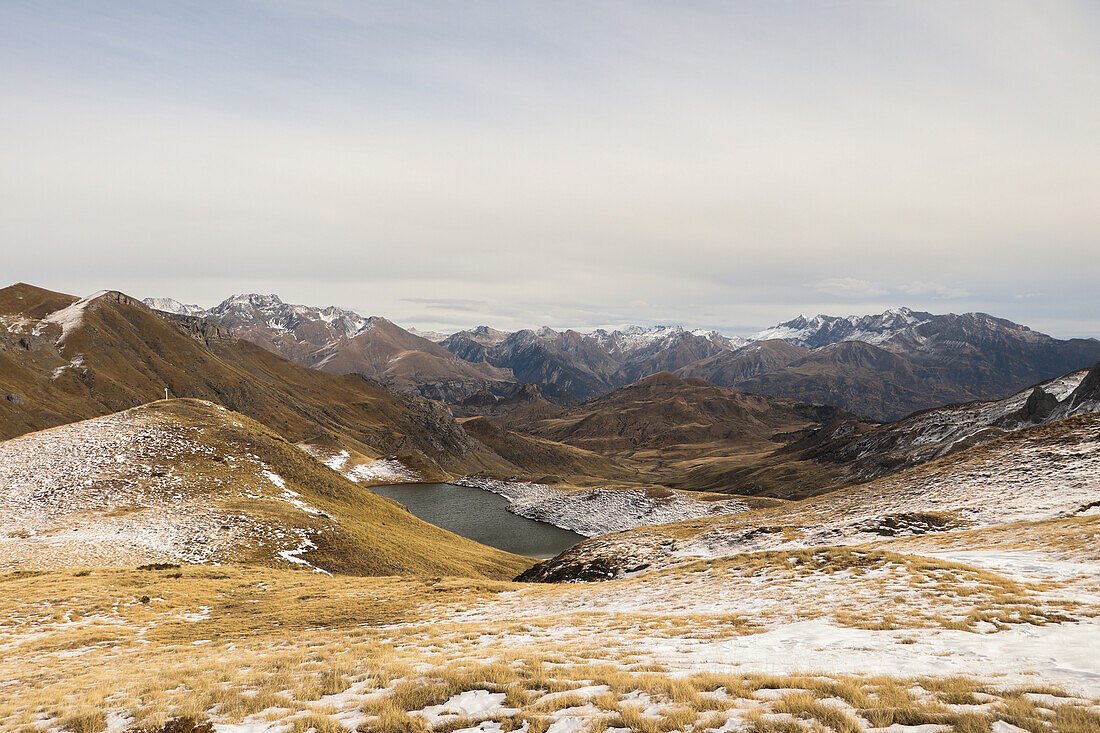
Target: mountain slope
x=663, y=410
x=568, y=366
x=731, y=368
x=1031, y=476
x=547, y=461
x=868, y=453
x=340, y=341
x=863, y=378
x=110, y=352
x=689, y=434
x=187, y=481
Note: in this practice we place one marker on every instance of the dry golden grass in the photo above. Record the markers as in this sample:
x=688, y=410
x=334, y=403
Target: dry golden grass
x=208, y=471
x=1069, y=537
x=280, y=644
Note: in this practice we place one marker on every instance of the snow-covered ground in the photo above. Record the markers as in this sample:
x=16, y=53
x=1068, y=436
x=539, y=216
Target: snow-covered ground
x=592, y=512
x=374, y=471
x=136, y=487
x=1033, y=621
x=1051, y=476
x=70, y=317
x=1059, y=654
x=935, y=433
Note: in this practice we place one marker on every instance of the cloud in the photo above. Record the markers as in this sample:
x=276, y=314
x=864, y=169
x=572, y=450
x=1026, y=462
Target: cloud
x=463, y=305
x=935, y=290
x=560, y=163
x=848, y=288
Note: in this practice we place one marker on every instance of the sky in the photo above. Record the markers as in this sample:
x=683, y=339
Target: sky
x=721, y=165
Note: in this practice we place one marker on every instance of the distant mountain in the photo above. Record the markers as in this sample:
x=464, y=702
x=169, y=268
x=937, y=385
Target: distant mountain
x=889, y=365
x=634, y=340
x=474, y=344
x=340, y=341
x=171, y=305
x=433, y=336
x=822, y=330
x=883, y=366
x=571, y=366
x=645, y=351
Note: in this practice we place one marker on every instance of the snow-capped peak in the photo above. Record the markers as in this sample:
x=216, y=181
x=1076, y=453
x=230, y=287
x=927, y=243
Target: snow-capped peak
x=171, y=305
x=630, y=339
x=253, y=300
x=823, y=329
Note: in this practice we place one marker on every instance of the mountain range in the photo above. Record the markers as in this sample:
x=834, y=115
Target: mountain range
x=65, y=359
x=880, y=366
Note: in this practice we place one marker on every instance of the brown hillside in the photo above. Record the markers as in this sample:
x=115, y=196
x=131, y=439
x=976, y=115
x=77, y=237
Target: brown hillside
x=110, y=352
x=690, y=434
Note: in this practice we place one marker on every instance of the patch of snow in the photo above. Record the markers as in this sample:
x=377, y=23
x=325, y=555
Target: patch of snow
x=387, y=470
x=585, y=692
x=381, y=470
x=171, y=305
x=1000, y=726
x=70, y=318
x=292, y=556
x=274, y=478
x=473, y=704
x=592, y=512
x=575, y=719
x=1062, y=654
x=1028, y=564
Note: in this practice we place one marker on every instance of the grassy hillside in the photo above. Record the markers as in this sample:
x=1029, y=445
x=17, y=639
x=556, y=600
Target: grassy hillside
x=187, y=481
x=110, y=352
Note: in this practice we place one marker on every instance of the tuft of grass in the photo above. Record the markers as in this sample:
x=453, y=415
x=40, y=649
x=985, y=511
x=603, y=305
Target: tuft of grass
x=805, y=705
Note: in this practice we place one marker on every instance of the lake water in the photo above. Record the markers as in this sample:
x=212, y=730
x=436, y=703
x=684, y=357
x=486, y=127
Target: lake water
x=482, y=516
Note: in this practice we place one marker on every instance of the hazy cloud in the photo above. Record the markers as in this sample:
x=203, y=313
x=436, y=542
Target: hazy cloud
x=935, y=290
x=848, y=287
x=446, y=164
